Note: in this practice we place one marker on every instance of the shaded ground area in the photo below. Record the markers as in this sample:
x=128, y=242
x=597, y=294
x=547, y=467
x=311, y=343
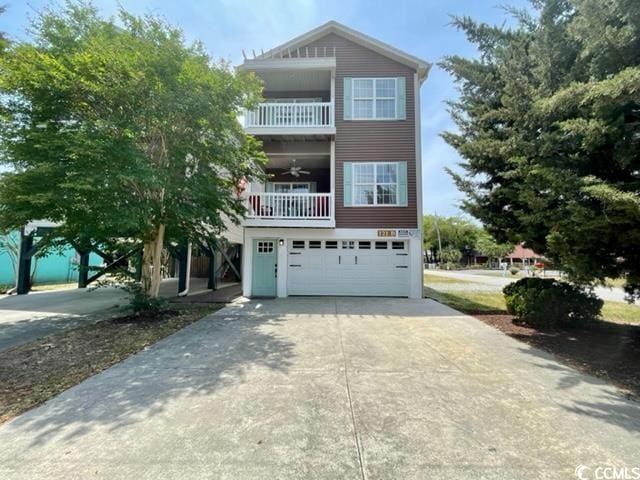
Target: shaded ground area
x=608, y=350
x=222, y=295
x=326, y=388
x=24, y=318
x=34, y=372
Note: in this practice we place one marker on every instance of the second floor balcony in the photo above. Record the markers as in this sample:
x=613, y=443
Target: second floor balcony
x=298, y=189
x=290, y=117
x=289, y=209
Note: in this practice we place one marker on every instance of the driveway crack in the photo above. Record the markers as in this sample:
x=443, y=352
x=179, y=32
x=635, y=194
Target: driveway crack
x=356, y=436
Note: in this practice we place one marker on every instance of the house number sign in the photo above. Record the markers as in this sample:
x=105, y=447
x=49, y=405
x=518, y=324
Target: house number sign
x=386, y=233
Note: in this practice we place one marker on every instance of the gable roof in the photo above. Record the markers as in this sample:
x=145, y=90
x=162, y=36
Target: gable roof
x=421, y=66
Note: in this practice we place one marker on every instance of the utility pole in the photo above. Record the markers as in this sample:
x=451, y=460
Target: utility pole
x=435, y=222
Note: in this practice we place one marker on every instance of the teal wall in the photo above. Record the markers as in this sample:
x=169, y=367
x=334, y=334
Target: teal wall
x=58, y=267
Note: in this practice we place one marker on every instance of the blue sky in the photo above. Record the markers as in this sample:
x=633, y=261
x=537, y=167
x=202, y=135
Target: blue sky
x=420, y=27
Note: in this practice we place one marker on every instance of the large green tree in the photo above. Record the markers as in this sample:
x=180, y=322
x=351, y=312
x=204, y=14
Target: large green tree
x=119, y=129
x=487, y=246
x=456, y=232
x=549, y=129
x=3, y=40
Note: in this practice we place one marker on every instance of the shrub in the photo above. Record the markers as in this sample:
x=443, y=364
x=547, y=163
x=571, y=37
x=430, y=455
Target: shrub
x=140, y=302
x=548, y=303
x=514, y=270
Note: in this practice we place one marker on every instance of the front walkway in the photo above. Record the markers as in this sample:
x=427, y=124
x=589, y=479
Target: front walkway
x=328, y=388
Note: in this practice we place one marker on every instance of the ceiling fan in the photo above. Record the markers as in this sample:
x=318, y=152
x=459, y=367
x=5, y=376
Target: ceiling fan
x=295, y=170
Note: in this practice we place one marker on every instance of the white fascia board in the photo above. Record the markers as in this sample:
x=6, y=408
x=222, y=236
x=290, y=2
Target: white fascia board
x=320, y=63
x=322, y=233
x=422, y=66
x=290, y=130
x=305, y=224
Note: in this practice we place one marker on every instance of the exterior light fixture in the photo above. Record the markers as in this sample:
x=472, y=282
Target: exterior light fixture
x=281, y=242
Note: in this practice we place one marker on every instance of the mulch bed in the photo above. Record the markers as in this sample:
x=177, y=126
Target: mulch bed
x=34, y=372
x=607, y=350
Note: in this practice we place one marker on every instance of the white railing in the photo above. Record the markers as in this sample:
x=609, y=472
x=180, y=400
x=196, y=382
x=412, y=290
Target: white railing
x=291, y=115
x=295, y=206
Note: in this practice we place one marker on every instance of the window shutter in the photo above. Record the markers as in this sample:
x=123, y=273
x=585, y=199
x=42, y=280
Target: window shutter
x=401, y=99
x=348, y=168
x=347, y=99
x=403, y=199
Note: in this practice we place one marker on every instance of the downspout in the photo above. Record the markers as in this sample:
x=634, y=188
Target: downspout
x=185, y=292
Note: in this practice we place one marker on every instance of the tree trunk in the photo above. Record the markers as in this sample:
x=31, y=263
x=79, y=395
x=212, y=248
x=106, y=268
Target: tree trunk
x=152, y=263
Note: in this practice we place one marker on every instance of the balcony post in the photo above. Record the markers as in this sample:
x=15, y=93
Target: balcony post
x=332, y=100
x=332, y=207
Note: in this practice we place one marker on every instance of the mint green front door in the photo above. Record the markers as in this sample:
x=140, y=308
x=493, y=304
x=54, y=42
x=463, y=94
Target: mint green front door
x=263, y=276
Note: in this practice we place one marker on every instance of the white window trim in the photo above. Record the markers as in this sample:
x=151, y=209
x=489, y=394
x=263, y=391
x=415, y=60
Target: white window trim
x=291, y=184
x=374, y=98
x=375, y=185
x=265, y=247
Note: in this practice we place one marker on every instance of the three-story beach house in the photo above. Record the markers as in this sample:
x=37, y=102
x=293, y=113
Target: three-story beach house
x=340, y=213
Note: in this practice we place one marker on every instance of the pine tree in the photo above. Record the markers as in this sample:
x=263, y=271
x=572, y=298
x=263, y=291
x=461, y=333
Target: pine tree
x=549, y=133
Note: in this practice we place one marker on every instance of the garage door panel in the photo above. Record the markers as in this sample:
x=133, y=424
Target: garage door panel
x=348, y=271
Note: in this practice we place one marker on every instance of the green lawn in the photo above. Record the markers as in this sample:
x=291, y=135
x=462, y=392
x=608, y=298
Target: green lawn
x=469, y=301
x=493, y=302
x=615, y=282
x=620, y=312
x=429, y=278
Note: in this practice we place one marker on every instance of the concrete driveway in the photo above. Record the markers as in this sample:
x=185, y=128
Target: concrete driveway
x=333, y=389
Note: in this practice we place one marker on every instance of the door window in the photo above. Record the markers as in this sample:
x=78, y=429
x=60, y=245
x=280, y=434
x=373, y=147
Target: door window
x=265, y=247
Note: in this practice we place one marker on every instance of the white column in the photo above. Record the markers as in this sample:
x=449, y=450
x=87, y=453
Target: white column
x=333, y=179
x=415, y=267
x=416, y=291
x=247, y=256
x=281, y=281
x=332, y=108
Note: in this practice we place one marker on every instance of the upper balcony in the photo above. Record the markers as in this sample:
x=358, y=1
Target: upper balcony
x=292, y=118
x=299, y=92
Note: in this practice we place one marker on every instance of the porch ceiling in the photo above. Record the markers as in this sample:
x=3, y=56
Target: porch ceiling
x=280, y=147
x=307, y=161
x=286, y=81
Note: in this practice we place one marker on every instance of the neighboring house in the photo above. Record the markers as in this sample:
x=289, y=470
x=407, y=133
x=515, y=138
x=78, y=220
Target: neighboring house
x=341, y=212
x=524, y=255
x=519, y=255
x=57, y=266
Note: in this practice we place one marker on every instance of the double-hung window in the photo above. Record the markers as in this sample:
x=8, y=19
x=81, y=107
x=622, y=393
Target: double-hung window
x=375, y=183
x=374, y=98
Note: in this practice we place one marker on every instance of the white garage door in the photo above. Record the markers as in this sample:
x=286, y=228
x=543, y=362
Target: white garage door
x=348, y=267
